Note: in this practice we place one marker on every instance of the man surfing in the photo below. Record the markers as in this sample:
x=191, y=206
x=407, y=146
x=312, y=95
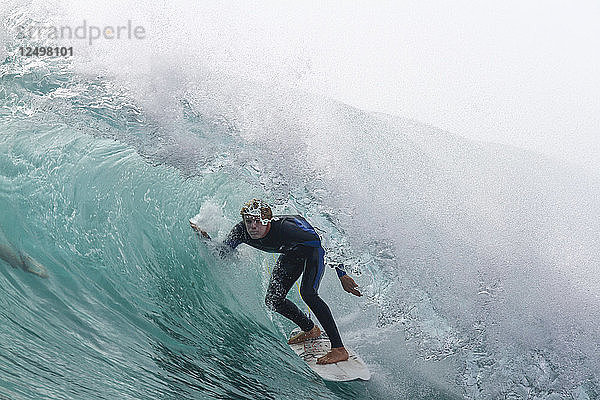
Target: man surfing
x=301, y=254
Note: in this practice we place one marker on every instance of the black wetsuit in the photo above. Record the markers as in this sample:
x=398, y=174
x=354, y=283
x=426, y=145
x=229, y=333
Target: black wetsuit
x=301, y=254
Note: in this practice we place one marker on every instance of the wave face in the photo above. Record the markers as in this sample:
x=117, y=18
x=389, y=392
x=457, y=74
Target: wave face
x=479, y=262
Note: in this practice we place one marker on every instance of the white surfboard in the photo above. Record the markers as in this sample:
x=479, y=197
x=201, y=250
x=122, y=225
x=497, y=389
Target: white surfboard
x=349, y=370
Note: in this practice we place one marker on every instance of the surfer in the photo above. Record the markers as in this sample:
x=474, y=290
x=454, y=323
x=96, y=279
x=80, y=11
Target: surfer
x=301, y=254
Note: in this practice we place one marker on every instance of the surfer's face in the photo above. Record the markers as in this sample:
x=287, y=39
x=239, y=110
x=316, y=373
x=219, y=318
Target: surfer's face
x=255, y=228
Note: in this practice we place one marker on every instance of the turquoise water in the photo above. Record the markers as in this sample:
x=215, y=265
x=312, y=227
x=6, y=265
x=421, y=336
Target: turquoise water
x=134, y=305
x=478, y=263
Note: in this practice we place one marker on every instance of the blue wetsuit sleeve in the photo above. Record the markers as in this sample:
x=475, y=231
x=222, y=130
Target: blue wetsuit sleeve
x=340, y=269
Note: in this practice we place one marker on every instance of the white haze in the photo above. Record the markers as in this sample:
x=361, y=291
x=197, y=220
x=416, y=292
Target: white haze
x=518, y=73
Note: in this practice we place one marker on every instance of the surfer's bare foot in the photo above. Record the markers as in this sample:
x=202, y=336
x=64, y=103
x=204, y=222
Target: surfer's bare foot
x=334, y=355
x=302, y=336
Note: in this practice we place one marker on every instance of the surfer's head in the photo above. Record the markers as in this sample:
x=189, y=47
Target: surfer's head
x=257, y=216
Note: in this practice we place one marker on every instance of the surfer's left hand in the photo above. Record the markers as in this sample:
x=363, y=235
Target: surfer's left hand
x=349, y=285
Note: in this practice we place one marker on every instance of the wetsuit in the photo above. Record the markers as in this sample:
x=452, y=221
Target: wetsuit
x=301, y=254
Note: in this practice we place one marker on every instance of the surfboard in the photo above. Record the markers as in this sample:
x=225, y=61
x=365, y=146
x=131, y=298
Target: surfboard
x=352, y=369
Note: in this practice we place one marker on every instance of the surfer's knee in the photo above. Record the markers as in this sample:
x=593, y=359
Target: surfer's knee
x=309, y=295
x=273, y=303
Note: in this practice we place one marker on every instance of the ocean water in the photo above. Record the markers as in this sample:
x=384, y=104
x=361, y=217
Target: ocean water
x=478, y=262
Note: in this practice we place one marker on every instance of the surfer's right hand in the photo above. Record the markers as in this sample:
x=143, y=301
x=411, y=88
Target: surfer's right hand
x=200, y=231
